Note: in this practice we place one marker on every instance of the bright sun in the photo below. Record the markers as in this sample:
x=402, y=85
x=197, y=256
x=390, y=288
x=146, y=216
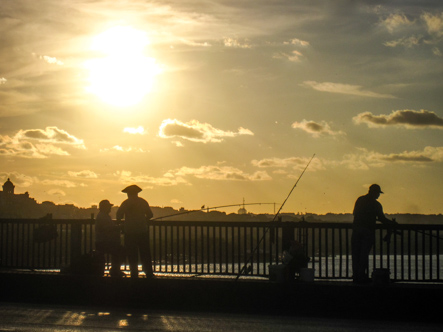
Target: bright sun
x=124, y=75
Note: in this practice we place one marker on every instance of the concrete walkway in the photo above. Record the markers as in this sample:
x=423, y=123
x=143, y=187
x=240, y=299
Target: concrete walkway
x=400, y=302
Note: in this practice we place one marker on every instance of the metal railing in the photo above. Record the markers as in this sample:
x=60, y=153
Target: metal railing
x=228, y=248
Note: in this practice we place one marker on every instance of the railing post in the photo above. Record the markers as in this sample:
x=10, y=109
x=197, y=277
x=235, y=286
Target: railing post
x=288, y=235
x=76, y=241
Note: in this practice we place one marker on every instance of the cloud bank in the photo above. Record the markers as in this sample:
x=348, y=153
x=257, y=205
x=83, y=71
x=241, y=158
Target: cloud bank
x=406, y=118
x=38, y=143
x=197, y=132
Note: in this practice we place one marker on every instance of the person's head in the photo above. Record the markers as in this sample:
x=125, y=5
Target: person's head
x=105, y=206
x=375, y=191
x=132, y=191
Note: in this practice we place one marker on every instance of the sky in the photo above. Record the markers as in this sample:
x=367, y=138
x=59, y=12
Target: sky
x=215, y=102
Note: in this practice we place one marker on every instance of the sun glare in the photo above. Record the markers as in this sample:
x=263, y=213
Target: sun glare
x=123, y=75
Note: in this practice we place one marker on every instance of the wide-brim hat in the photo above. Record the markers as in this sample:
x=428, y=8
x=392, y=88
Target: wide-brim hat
x=132, y=189
x=105, y=203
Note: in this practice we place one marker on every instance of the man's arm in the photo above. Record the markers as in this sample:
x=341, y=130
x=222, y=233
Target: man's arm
x=149, y=213
x=382, y=218
x=120, y=212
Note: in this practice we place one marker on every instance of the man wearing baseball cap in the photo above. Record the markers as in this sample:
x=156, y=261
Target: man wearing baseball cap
x=136, y=212
x=367, y=211
x=107, y=237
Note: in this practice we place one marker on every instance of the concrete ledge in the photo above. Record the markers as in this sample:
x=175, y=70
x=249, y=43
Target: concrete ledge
x=324, y=299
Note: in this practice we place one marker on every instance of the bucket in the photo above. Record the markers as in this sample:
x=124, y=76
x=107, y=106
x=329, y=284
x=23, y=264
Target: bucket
x=381, y=276
x=278, y=273
x=307, y=274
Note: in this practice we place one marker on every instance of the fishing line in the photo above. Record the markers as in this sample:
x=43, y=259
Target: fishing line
x=275, y=216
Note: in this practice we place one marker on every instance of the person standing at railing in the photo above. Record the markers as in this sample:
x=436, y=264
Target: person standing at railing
x=136, y=213
x=367, y=211
x=107, y=238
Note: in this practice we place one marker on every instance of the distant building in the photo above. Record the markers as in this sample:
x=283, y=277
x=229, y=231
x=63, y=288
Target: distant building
x=16, y=205
x=242, y=210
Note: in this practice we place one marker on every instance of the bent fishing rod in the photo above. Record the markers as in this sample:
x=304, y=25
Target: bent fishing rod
x=208, y=208
x=275, y=216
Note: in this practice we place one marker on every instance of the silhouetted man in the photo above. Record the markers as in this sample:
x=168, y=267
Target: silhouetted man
x=367, y=211
x=136, y=212
x=107, y=237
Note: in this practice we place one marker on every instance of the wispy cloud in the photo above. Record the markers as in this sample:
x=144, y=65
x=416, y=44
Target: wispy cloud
x=407, y=42
x=294, y=56
x=184, y=175
x=122, y=149
x=49, y=59
x=365, y=159
x=297, y=163
x=297, y=42
x=316, y=129
x=130, y=130
x=86, y=174
x=236, y=43
x=347, y=89
x=196, y=131
x=406, y=118
x=212, y=172
x=167, y=180
x=60, y=183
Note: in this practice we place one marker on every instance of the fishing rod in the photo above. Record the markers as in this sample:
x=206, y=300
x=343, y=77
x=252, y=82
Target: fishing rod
x=208, y=208
x=387, y=237
x=275, y=216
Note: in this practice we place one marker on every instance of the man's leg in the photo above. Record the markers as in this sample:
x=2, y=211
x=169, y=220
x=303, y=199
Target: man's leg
x=132, y=253
x=145, y=254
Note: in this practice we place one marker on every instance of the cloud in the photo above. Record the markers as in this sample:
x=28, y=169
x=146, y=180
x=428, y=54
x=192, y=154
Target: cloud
x=406, y=118
x=122, y=149
x=235, y=43
x=167, y=180
x=294, y=56
x=139, y=130
x=49, y=59
x=436, y=51
x=365, y=159
x=50, y=135
x=60, y=183
x=222, y=173
x=182, y=175
x=347, y=89
x=297, y=163
x=316, y=129
x=86, y=174
x=297, y=42
x=38, y=143
x=197, y=132
x=407, y=42
x=394, y=21
x=19, y=180
x=56, y=192
x=434, y=23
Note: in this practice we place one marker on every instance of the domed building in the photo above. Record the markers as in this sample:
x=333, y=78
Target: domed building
x=8, y=188
x=15, y=205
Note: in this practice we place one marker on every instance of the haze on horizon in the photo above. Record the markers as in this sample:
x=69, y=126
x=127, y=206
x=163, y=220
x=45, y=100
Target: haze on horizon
x=207, y=103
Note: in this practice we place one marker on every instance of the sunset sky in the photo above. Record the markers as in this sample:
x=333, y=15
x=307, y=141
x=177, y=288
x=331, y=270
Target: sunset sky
x=209, y=102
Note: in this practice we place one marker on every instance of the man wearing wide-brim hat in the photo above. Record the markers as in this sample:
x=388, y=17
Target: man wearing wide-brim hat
x=136, y=212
